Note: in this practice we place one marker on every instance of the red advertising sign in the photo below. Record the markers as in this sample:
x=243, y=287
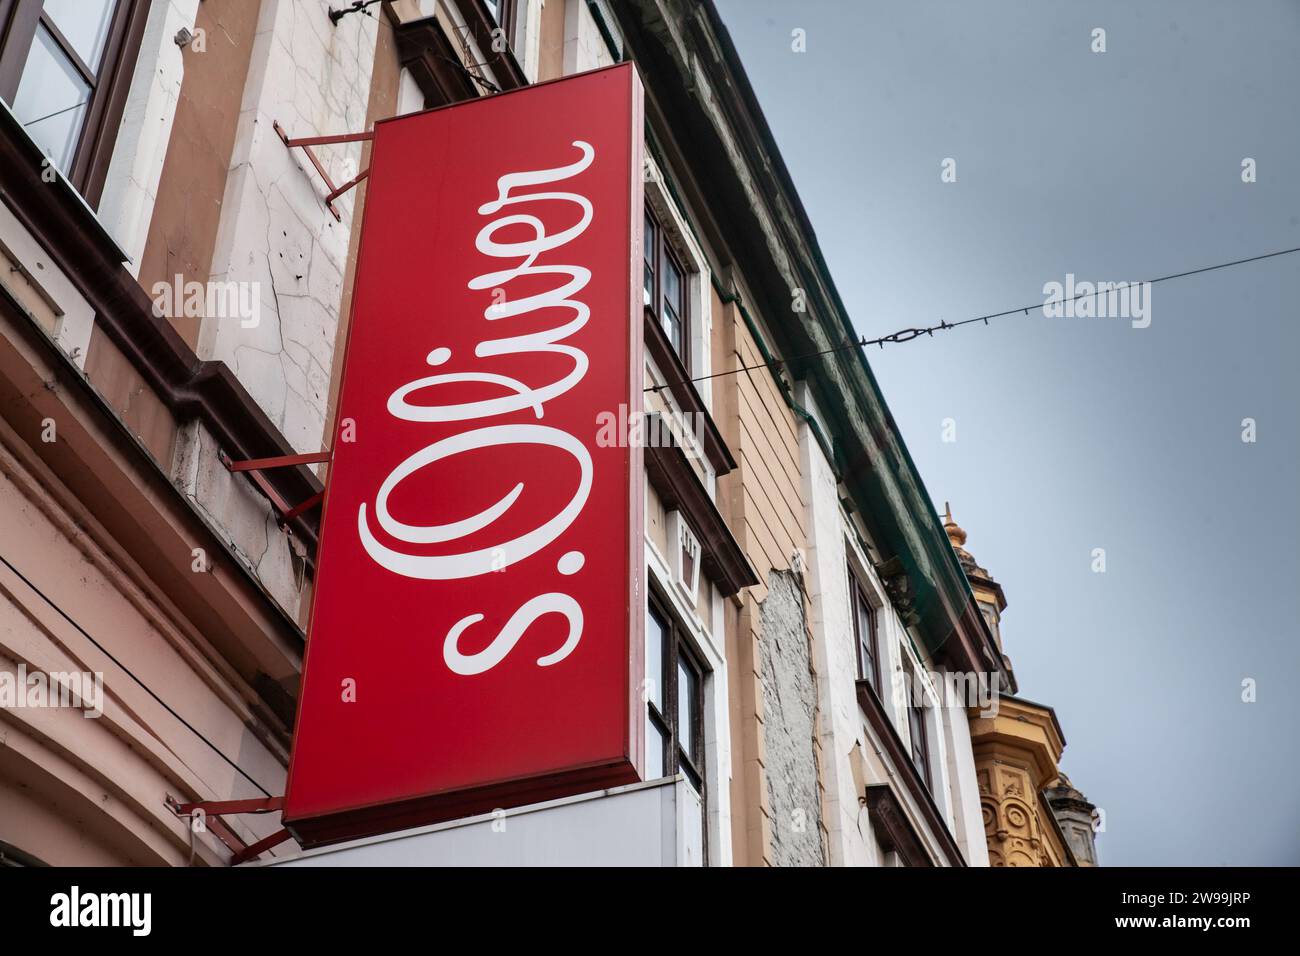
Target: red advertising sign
x=475, y=636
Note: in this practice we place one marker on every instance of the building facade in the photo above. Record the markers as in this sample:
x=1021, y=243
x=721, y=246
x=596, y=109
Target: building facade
x=1033, y=815
x=176, y=301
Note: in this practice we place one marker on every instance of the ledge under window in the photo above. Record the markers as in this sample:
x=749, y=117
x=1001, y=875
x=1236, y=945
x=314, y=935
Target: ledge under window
x=677, y=485
x=678, y=382
x=904, y=770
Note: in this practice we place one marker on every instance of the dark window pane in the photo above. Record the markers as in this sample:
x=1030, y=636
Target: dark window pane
x=672, y=279
x=51, y=100
x=674, y=737
x=648, y=254
x=916, y=725
x=84, y=24
x=688, y=703
x=864, y=630
x=868, y=664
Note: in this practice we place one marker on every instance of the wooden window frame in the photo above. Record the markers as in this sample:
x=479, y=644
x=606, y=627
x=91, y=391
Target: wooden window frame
x=677, y=648
x=858, y=598
x=19, y=21
x=655, y=259
x=917, y=733
x=480, y=23
x=508, y=19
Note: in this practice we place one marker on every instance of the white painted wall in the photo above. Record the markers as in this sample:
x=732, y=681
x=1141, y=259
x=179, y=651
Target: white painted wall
x=645, y=824
x=314, y=79
x=276, y=234
x=528, y=36
x=852, y=755
x=131, y=186
x=584, y=48
x=847, y=747
x=968, y=816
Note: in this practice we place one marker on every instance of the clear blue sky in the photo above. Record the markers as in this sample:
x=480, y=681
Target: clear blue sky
x=1083, y=433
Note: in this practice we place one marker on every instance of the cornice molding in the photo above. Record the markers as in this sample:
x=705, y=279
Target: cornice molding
x=424, y=49
x=190, y=388
x=752, y=211
x=892, y=827
x=139, y=517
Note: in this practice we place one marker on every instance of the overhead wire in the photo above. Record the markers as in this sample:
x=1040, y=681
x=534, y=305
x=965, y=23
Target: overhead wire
x=907, y=335
x=147, y=689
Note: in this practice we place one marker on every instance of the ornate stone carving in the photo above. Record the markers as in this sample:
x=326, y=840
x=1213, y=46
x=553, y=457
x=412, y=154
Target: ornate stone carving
x=1011, y=822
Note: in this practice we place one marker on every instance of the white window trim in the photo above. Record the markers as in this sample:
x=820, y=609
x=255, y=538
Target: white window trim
x=698, y=281
x=135, y=168
x=410, y=99
x=527, y=41
x=717, y=727
x=896, y=649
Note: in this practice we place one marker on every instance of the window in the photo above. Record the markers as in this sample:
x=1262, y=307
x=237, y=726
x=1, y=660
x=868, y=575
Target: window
x=916, y=727
x=675, y=701
x=64, y=70
x=864, y=633
x=665, y=287
x=503, y=13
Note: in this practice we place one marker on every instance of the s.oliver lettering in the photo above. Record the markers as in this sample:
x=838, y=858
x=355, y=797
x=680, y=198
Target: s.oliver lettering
x=519, y=396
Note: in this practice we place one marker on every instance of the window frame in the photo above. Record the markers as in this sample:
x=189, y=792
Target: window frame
x=858, y=598
x=655, y=258
x=506, y=17
x=677, y=649
x=20, y=21
x=918, y=733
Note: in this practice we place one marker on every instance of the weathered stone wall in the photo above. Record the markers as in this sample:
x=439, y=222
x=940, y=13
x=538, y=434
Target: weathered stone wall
x=790, y=726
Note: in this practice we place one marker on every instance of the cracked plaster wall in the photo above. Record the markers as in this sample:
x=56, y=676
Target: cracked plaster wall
x=275, y=233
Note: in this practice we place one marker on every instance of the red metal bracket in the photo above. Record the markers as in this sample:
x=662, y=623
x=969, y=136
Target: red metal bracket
x=254, y=850
x=279, y=461
x=305, y=143
x=219, y=808
x=306, y=506
x=254, y=468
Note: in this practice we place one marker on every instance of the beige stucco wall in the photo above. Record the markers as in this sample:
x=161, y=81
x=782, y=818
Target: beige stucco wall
x=763, y=502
